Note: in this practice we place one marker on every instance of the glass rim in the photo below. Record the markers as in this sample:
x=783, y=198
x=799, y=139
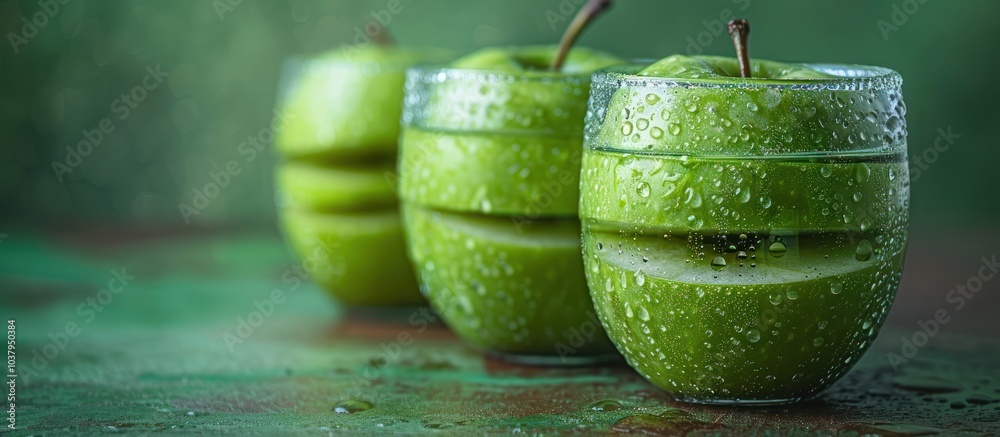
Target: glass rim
x=320, y=61
x=438, y=73
x=848, y=77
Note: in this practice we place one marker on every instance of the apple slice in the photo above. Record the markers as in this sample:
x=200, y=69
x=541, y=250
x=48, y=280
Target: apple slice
x=313, y=187
x=347, y=102
x=497, y=132
x=503, y=288
x=360, y=259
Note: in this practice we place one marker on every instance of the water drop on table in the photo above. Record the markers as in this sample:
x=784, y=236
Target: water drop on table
x=605, y=405
x=351, y=406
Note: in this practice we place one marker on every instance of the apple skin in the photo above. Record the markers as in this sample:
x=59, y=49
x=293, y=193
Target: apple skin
x=724, y=115
x=360, y=258
x=313, y=187
x=670, y=195
x=529, y=176
x=499, y=134
x=520, y=293
x=346, y=103
x=508, y=89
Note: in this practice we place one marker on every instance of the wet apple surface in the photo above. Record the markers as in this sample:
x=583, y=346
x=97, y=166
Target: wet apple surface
x=339, y=210
x=744, y=237
x=489, y=177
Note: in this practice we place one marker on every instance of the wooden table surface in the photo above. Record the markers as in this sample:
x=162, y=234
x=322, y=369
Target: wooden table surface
x=156, y=357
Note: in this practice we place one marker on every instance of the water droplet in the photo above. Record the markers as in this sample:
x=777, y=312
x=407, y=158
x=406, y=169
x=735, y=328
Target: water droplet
x=865, y=225
x=600, y=246
x=656, y=133
x=792, y=294
x=640, y=278
x=351, y=406
x=752, y=106
x=777, y=249
x=864, y=251
x=643, y=314
x=674, y=128
x=642, y=124
x=867, y=324
x=825, y=171
x=608, y=285
x=627, y=128
x=818, y=341
x=652, y=98
x=775, y=298
x=692, y=108
x=753, y=335
x=836, y=288
x=863, y=173
x=741, y=255
x=718, y=263
x=765, y=202
x=642, y=189
x=606, y=404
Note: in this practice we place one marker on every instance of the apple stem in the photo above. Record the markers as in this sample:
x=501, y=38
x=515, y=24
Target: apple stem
x=383, y=39
x=586, y=14
x=740, y=31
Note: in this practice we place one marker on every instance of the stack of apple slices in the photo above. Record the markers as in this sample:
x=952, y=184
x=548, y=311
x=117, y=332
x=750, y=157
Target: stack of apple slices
x=340, y=213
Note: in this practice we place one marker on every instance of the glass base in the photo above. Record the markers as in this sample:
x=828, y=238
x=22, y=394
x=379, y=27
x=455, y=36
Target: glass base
x=553, y=360
x=739, y=402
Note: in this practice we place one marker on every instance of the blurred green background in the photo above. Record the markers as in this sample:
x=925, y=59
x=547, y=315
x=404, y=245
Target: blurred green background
x=223, y=59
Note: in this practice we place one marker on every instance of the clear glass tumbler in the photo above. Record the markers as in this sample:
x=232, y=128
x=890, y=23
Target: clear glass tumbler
x=744, y=239
x=489, y=179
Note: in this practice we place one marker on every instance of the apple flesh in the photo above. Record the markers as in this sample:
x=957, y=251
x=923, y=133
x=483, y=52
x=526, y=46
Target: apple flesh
x=313, y=187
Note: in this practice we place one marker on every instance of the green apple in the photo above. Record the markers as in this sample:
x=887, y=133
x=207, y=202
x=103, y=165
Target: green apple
x=489, y=178
x=347, y=102
x=519, y=293
x=359, y=258
x=314, y=187
x=744, y=223
x=498, y=134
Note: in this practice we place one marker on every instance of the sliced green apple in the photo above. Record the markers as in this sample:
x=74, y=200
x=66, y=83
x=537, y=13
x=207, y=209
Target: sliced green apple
x=781, y=109
x=360, y=258
x=347, y=102
x=497, y=133
x=309, y=186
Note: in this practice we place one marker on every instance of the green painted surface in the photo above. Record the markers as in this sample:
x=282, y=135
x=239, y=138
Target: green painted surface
x=155, y=359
